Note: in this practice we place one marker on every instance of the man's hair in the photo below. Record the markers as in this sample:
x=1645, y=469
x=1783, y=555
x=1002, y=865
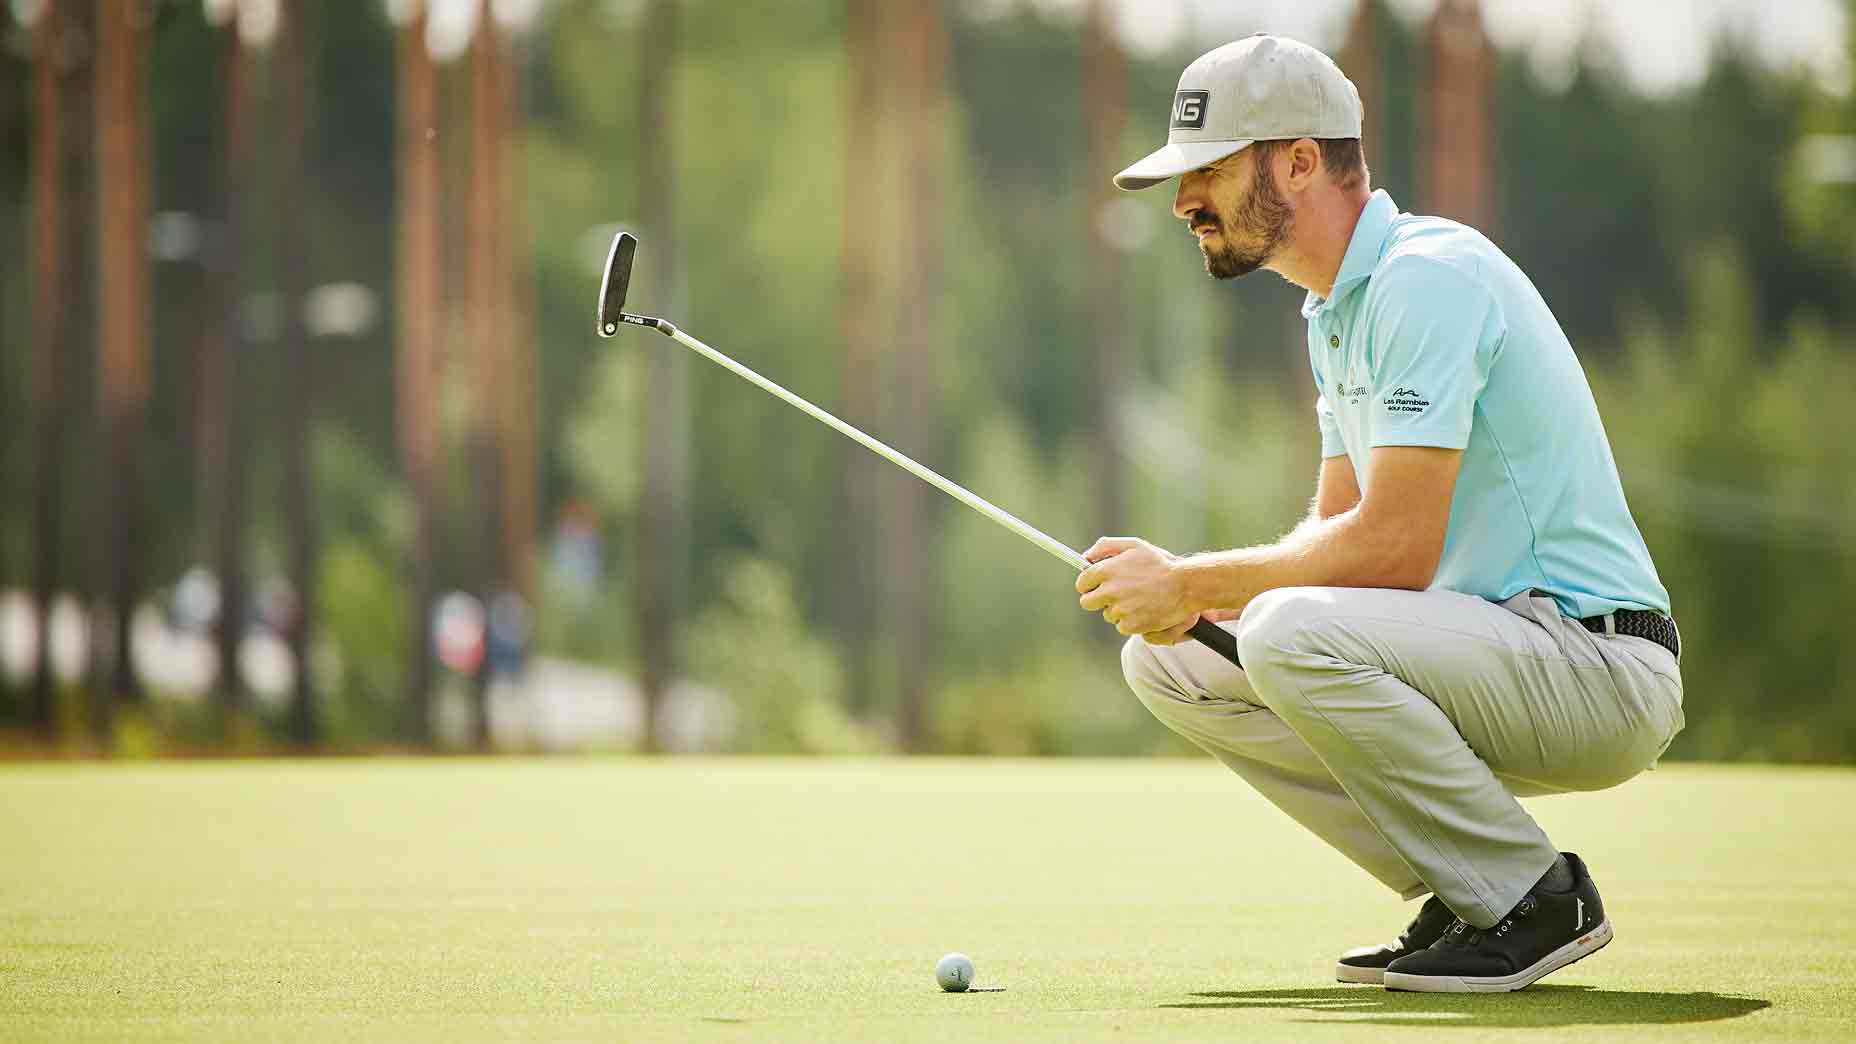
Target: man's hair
x=1343, y=158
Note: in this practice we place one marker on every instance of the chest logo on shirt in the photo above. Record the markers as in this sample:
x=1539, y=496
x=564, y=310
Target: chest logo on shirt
x=1406, y=400
x=1351, y=394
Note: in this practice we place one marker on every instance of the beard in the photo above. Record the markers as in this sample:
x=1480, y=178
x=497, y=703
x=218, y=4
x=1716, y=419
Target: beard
x=1264, y=220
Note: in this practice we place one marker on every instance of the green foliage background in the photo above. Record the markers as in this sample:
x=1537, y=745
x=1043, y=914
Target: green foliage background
x=1704, y=276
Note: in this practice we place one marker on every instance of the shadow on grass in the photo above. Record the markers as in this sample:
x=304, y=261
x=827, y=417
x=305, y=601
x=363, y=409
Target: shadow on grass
x=1532, y=1007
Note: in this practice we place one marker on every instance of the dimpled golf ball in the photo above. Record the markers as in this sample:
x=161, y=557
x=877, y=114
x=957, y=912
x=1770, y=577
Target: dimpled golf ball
x=954, y=973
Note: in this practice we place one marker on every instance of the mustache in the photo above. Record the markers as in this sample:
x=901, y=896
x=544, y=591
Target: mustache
x=1203, y=219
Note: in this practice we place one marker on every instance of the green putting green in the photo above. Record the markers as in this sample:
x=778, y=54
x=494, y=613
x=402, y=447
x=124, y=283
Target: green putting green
x=755, y=899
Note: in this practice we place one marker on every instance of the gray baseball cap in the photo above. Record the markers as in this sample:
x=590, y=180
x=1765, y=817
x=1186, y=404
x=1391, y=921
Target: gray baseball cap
x=1259, y=88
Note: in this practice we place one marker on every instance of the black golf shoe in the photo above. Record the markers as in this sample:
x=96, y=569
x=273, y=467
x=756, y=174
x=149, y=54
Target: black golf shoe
x=1545, y=931
x=1368, y=963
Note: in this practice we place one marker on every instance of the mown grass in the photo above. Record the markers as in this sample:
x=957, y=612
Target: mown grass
x=755, y=899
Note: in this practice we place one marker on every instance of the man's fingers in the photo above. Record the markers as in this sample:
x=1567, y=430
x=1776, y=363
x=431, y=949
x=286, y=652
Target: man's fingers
x=1172, y=635
x=1109, y=547
x=1096, y=599
x=1099, y=552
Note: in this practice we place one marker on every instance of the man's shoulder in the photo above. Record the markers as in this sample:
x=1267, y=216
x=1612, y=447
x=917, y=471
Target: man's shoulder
x=1417, y=242
x=1429, y=259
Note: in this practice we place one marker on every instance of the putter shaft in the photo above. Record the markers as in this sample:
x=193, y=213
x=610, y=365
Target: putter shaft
x=1204, y=631
x=1056, y=548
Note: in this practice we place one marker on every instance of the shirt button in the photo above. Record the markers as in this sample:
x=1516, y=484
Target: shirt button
x=1333, y=340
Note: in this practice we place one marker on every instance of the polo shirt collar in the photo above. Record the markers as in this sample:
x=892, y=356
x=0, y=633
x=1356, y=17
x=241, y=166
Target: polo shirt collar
x=1363, y=250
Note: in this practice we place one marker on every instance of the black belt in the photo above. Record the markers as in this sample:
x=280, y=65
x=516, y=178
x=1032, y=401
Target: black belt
x=1639, y=623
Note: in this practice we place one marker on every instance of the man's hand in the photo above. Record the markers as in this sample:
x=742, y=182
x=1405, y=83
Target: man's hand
x=1137, y=587
x=1179, y=634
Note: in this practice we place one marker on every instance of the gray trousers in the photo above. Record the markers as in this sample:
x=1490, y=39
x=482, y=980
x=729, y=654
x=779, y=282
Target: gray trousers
x=1399, y=726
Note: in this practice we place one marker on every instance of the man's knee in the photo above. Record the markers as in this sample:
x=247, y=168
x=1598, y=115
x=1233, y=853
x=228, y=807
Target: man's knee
x=1152, y=683
x=1278, y=624
x=1142, y=668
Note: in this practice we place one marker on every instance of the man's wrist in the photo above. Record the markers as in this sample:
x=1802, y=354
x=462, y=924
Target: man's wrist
x=1197, y=583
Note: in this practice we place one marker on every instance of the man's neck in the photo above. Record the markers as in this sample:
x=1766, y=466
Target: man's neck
x=1323, y=231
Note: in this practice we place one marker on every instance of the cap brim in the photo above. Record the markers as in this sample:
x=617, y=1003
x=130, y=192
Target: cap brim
x=1170, y=161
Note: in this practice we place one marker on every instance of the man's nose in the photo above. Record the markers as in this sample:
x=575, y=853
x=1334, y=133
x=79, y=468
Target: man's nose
x=1186, y=200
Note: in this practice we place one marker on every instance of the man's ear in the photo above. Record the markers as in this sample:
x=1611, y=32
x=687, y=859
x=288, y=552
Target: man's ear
x=1304, y=164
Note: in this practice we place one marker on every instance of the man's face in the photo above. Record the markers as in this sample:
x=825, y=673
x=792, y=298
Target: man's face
x=1234, y=210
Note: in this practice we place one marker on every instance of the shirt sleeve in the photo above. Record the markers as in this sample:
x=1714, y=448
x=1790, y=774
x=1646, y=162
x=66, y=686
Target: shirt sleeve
x=1331, y=444
x=1435, y=333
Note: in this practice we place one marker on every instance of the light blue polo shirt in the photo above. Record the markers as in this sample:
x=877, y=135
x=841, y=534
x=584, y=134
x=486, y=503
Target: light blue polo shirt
x=1433, y=337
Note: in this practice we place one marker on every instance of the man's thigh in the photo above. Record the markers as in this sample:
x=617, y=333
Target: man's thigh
x=1540, y=704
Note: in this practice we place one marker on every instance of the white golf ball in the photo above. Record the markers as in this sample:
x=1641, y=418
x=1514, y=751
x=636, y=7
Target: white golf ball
x=954, y=973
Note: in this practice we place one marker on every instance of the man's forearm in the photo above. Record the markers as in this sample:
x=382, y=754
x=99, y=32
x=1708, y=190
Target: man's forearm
x=1346, y=550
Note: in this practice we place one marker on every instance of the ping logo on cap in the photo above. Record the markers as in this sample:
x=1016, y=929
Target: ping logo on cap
x=1189, y=109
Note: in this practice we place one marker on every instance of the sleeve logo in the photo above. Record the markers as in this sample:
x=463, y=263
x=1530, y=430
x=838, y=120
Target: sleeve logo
x=1406, y=400
x=1189, y=109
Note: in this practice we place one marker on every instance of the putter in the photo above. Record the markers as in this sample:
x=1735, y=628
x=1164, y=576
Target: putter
x=612, y=313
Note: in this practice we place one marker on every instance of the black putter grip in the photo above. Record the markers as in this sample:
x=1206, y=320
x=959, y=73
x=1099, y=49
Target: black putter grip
x=1219, y=640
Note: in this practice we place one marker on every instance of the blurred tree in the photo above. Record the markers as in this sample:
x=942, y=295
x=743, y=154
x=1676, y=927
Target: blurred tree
x=1018, y=83
x=299, y=390
x=785, y=683
x=1736, y=194
x=1105, y=104
x=859, y=306
x=1737, y=466
x=59, y=62
x=1359, y=59
x=662, y=526
x=122, y=280
x=1458, y=174
x=1584, y=149
x=225, y=379
x=1014, y=396
x=1392, y=83
x=416, y=310
x=914, y=507
x=1820, y=175
x=516, y=419
x=486, y=305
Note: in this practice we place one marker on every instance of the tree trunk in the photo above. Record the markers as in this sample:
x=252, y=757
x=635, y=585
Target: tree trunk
x=1458, y=180
x=416, y=313
x=1104, y=93
x=662, y=541
x=122, y=278
x=485, y=307
x=517, y=419
x=300, y=388
x=224, y=387
x=1360, y=61
x=861, y=377
x=911, y=547
x=51, y=236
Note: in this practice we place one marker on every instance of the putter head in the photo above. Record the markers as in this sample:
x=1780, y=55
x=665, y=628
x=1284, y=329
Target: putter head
x=613, y=285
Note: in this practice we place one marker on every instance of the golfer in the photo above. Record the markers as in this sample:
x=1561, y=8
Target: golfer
x=1469, y=614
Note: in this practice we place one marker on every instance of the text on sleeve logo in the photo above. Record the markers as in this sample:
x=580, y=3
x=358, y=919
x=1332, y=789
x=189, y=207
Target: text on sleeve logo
x=1189, y=109
x=1406, y=400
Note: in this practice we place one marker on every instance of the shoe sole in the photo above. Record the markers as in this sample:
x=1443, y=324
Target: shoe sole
x=1352, y=973
x=1580, y=948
